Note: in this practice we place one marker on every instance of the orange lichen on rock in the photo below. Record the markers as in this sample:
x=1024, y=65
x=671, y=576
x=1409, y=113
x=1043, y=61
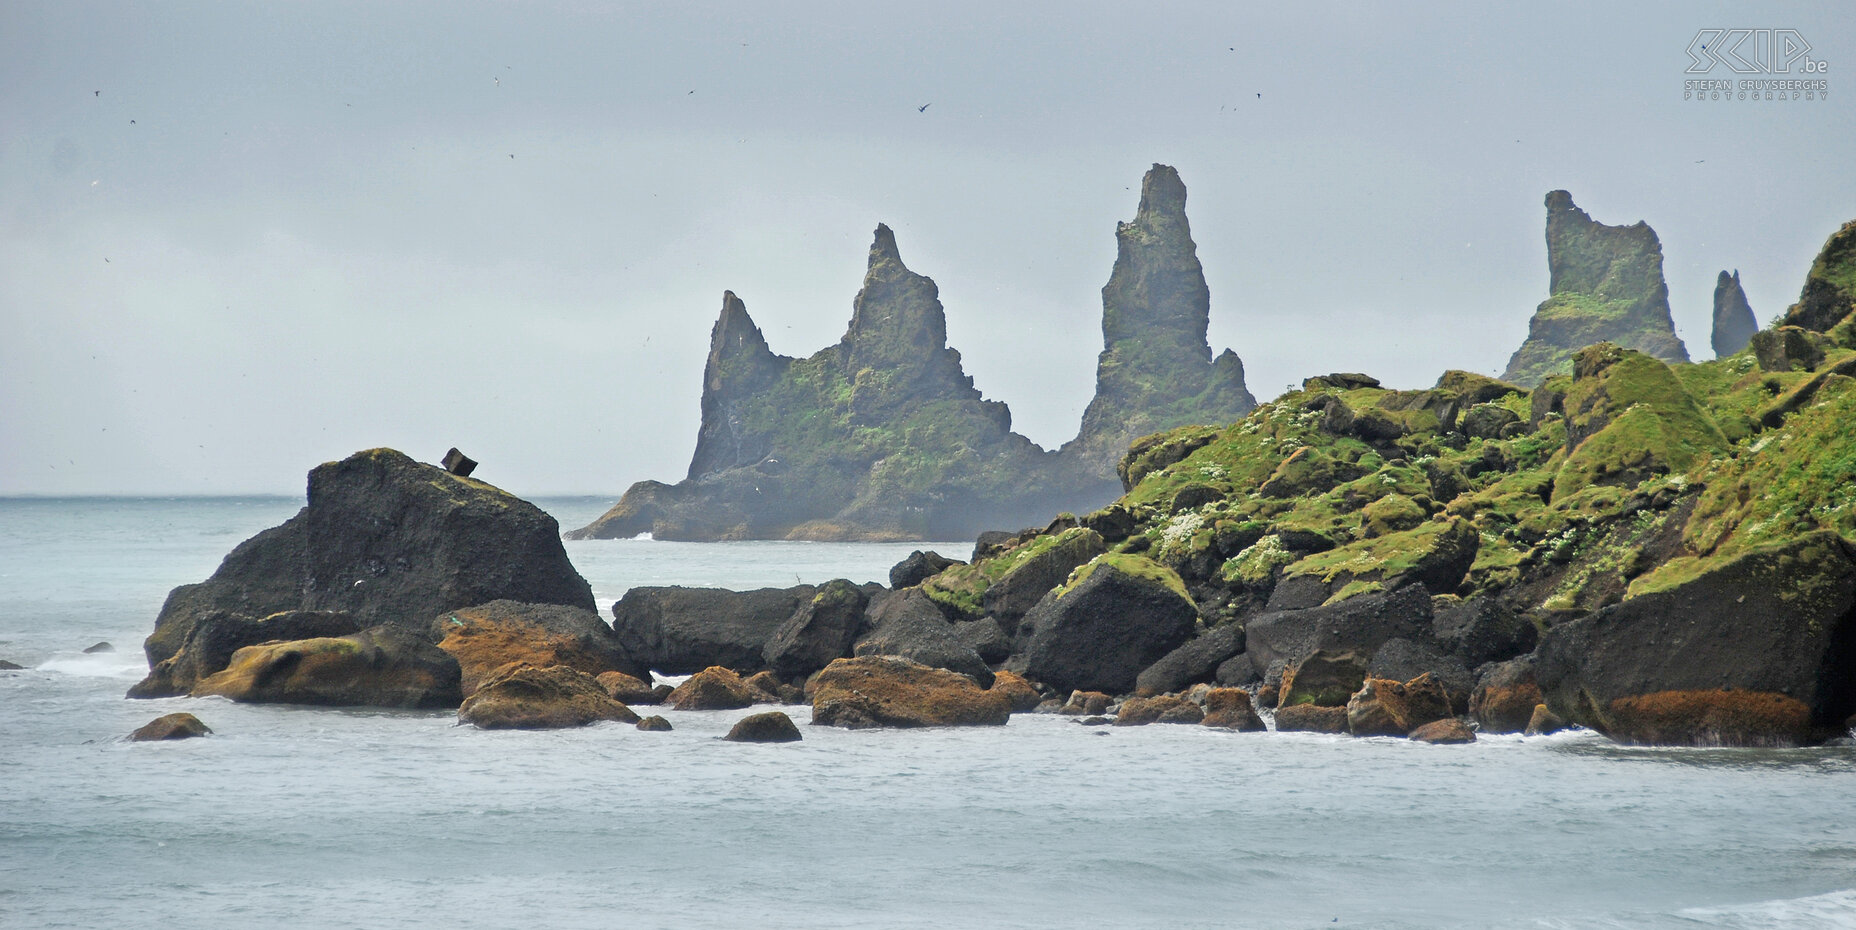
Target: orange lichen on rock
x=1709, y=718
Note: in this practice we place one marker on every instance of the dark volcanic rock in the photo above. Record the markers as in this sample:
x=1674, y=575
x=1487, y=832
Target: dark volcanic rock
x=378, y=667
x=917, y=567
x=1156, y=370
x=6, y=666
x=487, y=637
x=1195, y=661
x=1322, y=678
x=909, y=625
x=1449, y=731
x=654, y=724
x=1829, y=294
x=986, y=638
x=524, y=697
x=769, y=727
x=678, y=630
x=171, y=726
x=1403, y=659
x=1506, y=695
x=1359, y=624
x=1018, y=590
x=98, y=648
x=1734, y=323
x=1607, y=286
x=1230, y=709
x=1162, y=708
x=822, y=629
x=887, y=691
x=1383, y=707
x=714, y=688
x=218, y=634
x=1759, y=650
x=1122, y=614
x=1483, y=629
x=390, y=541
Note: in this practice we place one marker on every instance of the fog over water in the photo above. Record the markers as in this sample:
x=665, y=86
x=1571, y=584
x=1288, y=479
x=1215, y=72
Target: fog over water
x=238, y=240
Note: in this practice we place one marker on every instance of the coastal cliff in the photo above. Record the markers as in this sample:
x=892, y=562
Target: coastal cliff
x=1607, y=286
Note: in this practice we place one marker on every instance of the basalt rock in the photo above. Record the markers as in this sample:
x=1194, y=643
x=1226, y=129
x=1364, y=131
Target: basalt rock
x=1018, y=692
x=1161, y=708
x=389, y=541
x=1734, y=323
x=524, y=697
x=1195, y=661
x=1323, y=678
x=486, y=637
x=678, y=631
x=822, y=629
x=769, y=727
x=918, y=567
x=1360, y=625
x=908, y=625
x=1757, y=651
x=1311, y=718
x=1230, y=709
x=1383, y=707
x=1829, y=294
x=378, y=667
x=1117, y=616
x=627, y=689
x=1505, y=697
x=714, y=688
x=218, y=634
x=1446, y=732
x=1607, y=286
x=170, y=727
x=886, y=691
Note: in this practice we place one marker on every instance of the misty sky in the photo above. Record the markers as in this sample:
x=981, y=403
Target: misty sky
x=237, y=240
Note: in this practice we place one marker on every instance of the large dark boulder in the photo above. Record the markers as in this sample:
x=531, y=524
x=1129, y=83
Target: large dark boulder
x=909, y=625
x=678, y=631
x=1482, y=629
x=218, y=634
x=1018, y=590
x=487, y=637
x=1402, y=659
x=986, y=638
x=822, y=629
x=524, y=697
x=1196, y=661
x=919, y=566
x=377, y=667
x=390, y=541
x=1506, y=696
x=1383, y=707
x=1120, y=615
x=1359, y=624
x=887, y=691
x=1759, y=650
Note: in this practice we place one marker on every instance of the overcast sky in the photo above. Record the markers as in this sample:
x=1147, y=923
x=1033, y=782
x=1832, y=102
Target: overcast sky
x=240, y=239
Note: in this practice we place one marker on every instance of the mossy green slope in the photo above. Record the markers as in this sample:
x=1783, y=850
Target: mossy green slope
x=1607, y=286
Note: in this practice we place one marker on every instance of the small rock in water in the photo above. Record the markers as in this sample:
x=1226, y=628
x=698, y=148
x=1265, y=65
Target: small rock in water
x=172, y=726
x=459, y=464
x=770, y=727
x=99, y=647
x=1097, y=721
x=654, y=724
x=6, y=666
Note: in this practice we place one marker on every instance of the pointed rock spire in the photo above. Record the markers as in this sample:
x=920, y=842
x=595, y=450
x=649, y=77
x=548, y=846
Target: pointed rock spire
x=896, y=344
x=740, y=365
x=1734, y=323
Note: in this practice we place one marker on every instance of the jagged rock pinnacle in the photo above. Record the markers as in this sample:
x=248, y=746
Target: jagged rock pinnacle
x=739, y=366
x=1734, y=323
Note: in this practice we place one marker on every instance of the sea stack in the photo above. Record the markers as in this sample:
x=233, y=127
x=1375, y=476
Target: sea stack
x=1829, y=294
x=1156, y=369
x=1607, y=286
x=1734, y=323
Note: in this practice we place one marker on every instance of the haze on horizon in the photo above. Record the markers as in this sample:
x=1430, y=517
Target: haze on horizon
x=240, y=240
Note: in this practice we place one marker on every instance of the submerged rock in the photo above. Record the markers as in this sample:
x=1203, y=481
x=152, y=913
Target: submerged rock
x=169, y=727
x=523, y=697
x=1449, y=731
x=885, y=691
x=654, y=724
x=1607, y=286
x=770, y=727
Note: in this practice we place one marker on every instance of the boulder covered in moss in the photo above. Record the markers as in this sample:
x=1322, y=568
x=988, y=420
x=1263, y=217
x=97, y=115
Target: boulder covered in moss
x=389, y=541
x=1829, y=294
x=822, y=629
x=679, y=631
x=486, y=637
x=1758, y=649
x=524, y=697
x=1734, y=322
x=888, y=691
x=170, y=727
x=1629, y=418
x=1115, y=617
x=218, y=634
x=1607, y=286
x=771, y=726
x=377, y=667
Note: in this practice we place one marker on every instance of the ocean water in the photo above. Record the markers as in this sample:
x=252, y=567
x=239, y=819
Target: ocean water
x=320, y=818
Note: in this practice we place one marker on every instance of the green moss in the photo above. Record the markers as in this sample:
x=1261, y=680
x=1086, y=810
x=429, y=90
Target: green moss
x=962, y=587
x=1379, y=557
x=1637, y=420
x=1128, y=564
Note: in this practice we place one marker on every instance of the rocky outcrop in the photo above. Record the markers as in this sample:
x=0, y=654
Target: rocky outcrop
x=1018, y=692
x=1311, y=718
x=1506, y=696
x=678, y=631
x=1230, y=709
x=1323, y=678
x=1117, y=616
x=1447, y=732
x=770, y=727
x=907, y=624
x=524, y=697
x=1628, y=419
x=1734, y=323
x=918, y=567
x=714, y=689
x=1607, y=286
x=170, y=727
x=1156, y=369
x=389, y=541
x=882, y=436
x=378, y=667
x=1383, y=707
x=487, y=637
x=822, y=629
x=1829, y=294
x=218, y=634
x=1759, y=651
x=886, y=691
x=1358, y=625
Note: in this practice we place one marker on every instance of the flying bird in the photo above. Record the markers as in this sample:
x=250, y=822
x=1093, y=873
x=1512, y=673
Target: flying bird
x=96, y=93
x=499, y=81
x=923, y=108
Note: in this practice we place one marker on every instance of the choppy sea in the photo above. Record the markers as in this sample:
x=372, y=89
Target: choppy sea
x=317, y=818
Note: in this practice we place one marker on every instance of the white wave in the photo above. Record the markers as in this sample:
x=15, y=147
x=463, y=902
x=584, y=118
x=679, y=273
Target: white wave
x=1833, y=911
x=644, y=537
x=97, y=665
